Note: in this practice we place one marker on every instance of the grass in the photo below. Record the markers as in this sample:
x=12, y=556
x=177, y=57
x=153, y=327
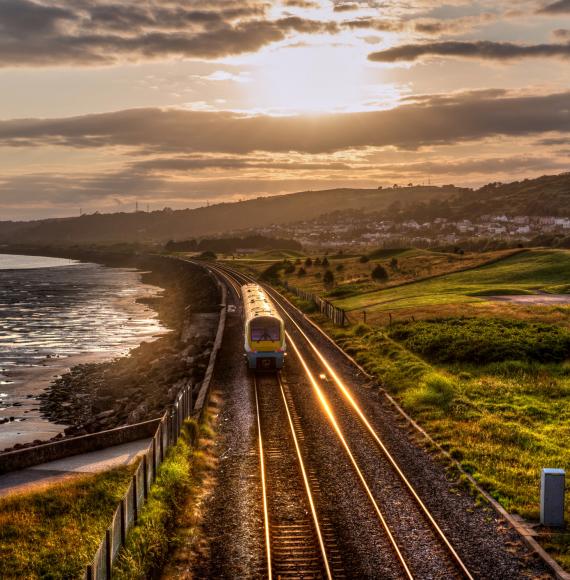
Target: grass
x=502, y=420
x=524, y=273
x=150, y=541
x=54, y=533
x=483, y=340
x=489, y=381
x=353, y=277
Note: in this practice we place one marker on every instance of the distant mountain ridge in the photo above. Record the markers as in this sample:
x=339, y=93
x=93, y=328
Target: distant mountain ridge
x=547, y=195
x=216, y=219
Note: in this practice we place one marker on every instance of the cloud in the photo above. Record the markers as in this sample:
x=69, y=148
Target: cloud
x=346, y=7
x=560, y=7
x=189, y=164
x=90, y=33
x=430, y=120
x=484, y=50
x=374, y=24
x=301, y=4
x=562, y=34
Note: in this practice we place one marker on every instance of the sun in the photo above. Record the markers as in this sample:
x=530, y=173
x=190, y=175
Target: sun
x=310, y=79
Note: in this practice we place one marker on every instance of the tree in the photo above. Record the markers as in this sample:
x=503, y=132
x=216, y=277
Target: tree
x=308, y=263
x=317, y=261
x=380, y=274
x=207, y=255
x=301, y=272
x=289, y=268
x=328, y=279
x=325, y=262
x=394, y=264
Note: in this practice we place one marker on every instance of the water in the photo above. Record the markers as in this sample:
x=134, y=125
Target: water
x=54, y=308
x=55, y=314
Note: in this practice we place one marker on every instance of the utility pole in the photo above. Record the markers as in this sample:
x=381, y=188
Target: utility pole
x=136, y=207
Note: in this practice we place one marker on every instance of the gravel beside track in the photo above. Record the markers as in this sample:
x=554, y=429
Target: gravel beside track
x=233, y=520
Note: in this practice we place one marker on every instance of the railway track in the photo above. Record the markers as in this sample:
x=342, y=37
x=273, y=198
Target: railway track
x=297, y=546
x=419, y=544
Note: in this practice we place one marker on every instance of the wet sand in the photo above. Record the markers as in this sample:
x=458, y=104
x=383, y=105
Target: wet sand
x=21, y=398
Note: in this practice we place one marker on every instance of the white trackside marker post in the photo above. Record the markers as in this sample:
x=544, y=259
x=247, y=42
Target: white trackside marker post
x=552, y=482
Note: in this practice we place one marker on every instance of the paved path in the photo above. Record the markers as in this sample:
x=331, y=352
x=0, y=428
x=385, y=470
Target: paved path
x=44, y=474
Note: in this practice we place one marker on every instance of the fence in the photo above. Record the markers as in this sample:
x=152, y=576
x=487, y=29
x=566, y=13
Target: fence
x=337, y=315
x=166, y=435
x=126, y=514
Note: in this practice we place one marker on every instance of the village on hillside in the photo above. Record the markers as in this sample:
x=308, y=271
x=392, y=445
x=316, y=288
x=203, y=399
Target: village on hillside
x=359, y=229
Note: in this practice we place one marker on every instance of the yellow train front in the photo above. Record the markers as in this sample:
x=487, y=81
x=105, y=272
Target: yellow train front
x=264, y=340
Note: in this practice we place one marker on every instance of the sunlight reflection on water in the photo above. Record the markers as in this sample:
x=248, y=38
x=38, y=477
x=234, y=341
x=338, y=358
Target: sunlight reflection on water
x=66, y=310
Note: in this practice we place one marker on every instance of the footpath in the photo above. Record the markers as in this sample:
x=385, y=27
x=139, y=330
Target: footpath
x=44, y=474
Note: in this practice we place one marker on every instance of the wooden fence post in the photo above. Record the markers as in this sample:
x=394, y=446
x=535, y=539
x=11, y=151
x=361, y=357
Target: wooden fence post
x=145, y=478
x=108, y=552
x=135, y=500
x=123, y=513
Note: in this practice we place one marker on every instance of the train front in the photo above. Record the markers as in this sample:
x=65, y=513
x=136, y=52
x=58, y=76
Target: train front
x=264, y=339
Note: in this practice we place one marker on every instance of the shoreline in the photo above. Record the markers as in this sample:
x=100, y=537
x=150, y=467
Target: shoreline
x=110, y=389
x=29, y=382
x=25, y=385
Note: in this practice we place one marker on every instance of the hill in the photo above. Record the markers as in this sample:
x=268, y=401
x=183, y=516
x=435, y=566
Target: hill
x=548, y=195
x=213, y=220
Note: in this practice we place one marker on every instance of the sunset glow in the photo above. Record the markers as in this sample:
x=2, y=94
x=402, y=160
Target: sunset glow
x=182, y=104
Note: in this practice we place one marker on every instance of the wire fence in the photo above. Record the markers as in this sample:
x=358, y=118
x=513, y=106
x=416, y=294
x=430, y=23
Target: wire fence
x=129, y=508
x=337, y=315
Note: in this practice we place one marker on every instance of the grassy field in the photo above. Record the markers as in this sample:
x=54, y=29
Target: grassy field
x=490, y=381
x=54, y=533
x=353, y=273
x=528, y=272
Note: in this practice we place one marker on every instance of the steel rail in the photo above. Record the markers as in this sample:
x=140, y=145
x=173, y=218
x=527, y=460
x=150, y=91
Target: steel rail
x=306, y=482
x=263, y=485
x=332, y=419
x=351, y=400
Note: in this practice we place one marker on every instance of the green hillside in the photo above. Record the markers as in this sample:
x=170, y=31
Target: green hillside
x=527, y=272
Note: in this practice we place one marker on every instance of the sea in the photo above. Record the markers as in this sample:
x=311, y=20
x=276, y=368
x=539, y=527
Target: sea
x=55, y=313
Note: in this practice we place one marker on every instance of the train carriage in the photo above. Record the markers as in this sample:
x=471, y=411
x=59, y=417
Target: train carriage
x=264, y=331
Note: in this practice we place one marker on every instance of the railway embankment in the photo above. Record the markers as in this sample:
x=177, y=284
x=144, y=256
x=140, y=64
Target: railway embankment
x=96, y=397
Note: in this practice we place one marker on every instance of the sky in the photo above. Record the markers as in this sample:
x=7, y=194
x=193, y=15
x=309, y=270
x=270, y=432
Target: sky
x=106, y=104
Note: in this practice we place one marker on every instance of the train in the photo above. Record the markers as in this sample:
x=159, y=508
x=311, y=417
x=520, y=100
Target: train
x=264, y=331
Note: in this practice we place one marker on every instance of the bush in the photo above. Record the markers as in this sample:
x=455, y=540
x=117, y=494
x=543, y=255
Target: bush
x=289, y=268
x=328, y=279
x=435, y=390
x=339, y=267
x=325, y=262
x=484, y=340
x=363, y=259
x=317, y=262
x=207, y=255
x=271, y=273
x=308, y=263
x=301, y=272
x=380, y=274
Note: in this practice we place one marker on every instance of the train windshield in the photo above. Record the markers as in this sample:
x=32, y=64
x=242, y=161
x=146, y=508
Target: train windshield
x=263, y=329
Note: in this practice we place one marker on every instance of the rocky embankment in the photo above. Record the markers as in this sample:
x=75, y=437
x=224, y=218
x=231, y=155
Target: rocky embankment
x=141, y=385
